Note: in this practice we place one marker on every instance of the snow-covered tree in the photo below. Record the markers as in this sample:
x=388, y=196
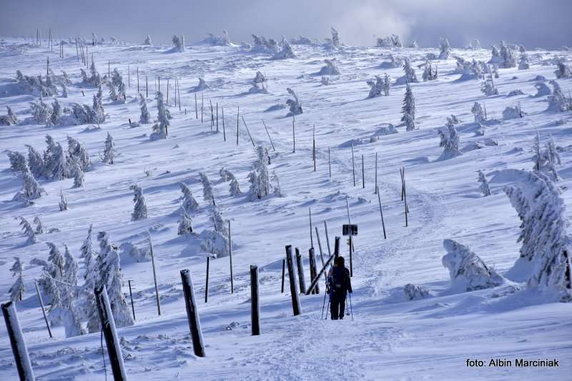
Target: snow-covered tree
x=39, y=225
x=335, y=41
x=293, y=103
x=470, y=69
x=10, y=119
x=258, y=84
x=145, y=117
x=479, y=113
x=449, y=142
x=413, y=45
x=386, y=85
x=28, y=230
x=505, y=57
x=109, y=151
x=178, y=43
x=55, y=114
x=259, y=177
x=219, y=224
x=35, y=161
x=563, y=70
x=375, y=87
x=77, y=174
x=63, y=201
x=70, y=268
x=111, y=278
x=234, y=187
x=208, y=194
x=139, y=208
x=185, y=223
x=41, y=111
x=557, y=102
x=410, y=76
x=78, y=153
x=188, y=204
x=467, y=270
x=484, y=184
x=18, y=289
x=393, y=41
x=117, y=87
x=408, y=109
x=415, y=292
x=488, y=87
x=523, y=63
x=148, y=41
x=546, y=160
x=91, y=279
x=428, y=73
x=56, y=260
x=97, y=111
x=31, y=190
x=56, y=165
x=331, y=67
x=18, y=162
x=285, y=53
x=545, y=253
x=445, y=48
x=160, y=128
x=475, y=44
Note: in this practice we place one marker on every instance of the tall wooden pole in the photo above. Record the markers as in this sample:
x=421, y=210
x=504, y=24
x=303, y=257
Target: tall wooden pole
x=138, y=89
x=319, y=244
x=155, y=277
x=300, y=267
x=293, y=134
x=381, y=214
x=375, y=189
x=110, y=334
x=269, y=138
x=196, y=108
x=296, y=308
x=311, y=232
x=313, y=270
x=362, y=172
x=131, y=297
x=223, y=127
x=353, y=166
x=283, y=271
x=327, y=238
x=237, y=122
x=43, y=308
x=19, y=349
x=314, y=149
x=254, y=305
x=192, y=314
x=230, y=259
x=207, y=281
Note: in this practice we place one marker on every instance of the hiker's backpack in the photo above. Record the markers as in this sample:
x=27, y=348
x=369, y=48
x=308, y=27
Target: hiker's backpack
x=338, y=281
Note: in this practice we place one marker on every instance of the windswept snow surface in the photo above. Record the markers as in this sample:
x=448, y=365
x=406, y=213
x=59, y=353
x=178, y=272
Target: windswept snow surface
x=389, y=337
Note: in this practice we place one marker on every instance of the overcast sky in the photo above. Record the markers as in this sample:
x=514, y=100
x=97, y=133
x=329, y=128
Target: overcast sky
x=534, y=23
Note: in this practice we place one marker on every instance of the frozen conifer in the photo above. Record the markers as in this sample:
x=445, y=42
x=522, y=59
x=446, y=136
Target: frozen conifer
x=409, y=76
x=445, y=48
x=294, y=103
x=488, y=87
x=39, y=225
x=18, y=162
x=449, y=142
x=523, y=63
x=10, y=119
x=563, y=70
x=189, y=204
x=331, y=67
x=117, y=87
x=140, y=208
x=429, y=73
x=77, y=174
x=31, y=190
x=484, y=187
x=148, y=41
x=35, y=162
x=41, y=111
x=56, y=260
x=18, y=289
x=111, y=277
x=160, y=128
x=408, y=108
x=259, y=84
x=178, y=43
x=208, y=195
x=145, y=116
x=28, y=230
x=234, y=187
x=375, y=87
x=557, y=101
x=259, y=177
x=91, y=279
x=285, y=53
x=63, y=201
x=185, y=223
x=109, y=151
x=78, y=153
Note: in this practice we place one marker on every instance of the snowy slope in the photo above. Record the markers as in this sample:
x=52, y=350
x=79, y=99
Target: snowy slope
x=389, y=337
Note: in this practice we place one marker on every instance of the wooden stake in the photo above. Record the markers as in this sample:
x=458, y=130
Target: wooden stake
x=296, y=308
x=269, y=138
x=196, y=108
x=248, y=131
x=283, y=271
x=43, y=308
x=110, y=334
x=375, y=190
x=381, y=214
x=319, y=244
x=212, y=114
x=192, y=314
x=313, y=270
x=301, y=278
x=217, y=117
x=223, y=127
x=314, y=148
x=19, y=349
x=348, y=210
x=293, y=134
x=254, y=305
x=353, y=166
x=207, y=280
x=154, y=276
x=329, y=163
x=230, y=259
x=131, y=297
x=167, y=90
x=327, y=238
x=311, y=232
x=336, y=247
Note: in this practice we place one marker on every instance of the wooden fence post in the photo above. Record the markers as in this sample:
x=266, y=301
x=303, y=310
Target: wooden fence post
x=314, y=148
x=196, y=108
x=110, y=334
x=350, y=243
x=223, y=127
x=375, y=190
x=230, y=259
x=155, y=277
x=43, y=309
x=254, y=305
x=192, y=314
x=248, y=131
x=283, y=271
x=311, y=232
x=17, y=342
x=269, y=138
x=327, y=238
x=207, y=281
x=301, y=278
x=313, y=270
x=362, y=173
x=319, y=244
x=337, y=247
x=353, y=165
x=296, y=308
x=381, y=214
x=131, y=297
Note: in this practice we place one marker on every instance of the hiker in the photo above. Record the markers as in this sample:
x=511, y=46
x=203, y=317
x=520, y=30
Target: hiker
x=339, y=284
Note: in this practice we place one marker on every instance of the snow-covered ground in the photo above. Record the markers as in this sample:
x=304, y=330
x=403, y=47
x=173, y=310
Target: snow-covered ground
x=389, y=337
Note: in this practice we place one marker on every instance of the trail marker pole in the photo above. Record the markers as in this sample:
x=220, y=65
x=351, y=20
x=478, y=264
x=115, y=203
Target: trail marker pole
x=296, y=309
x=43, y=308
x=192, y=314
x=254, y=302
x=207, y=280
x=131, y=297
x=19, y=349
